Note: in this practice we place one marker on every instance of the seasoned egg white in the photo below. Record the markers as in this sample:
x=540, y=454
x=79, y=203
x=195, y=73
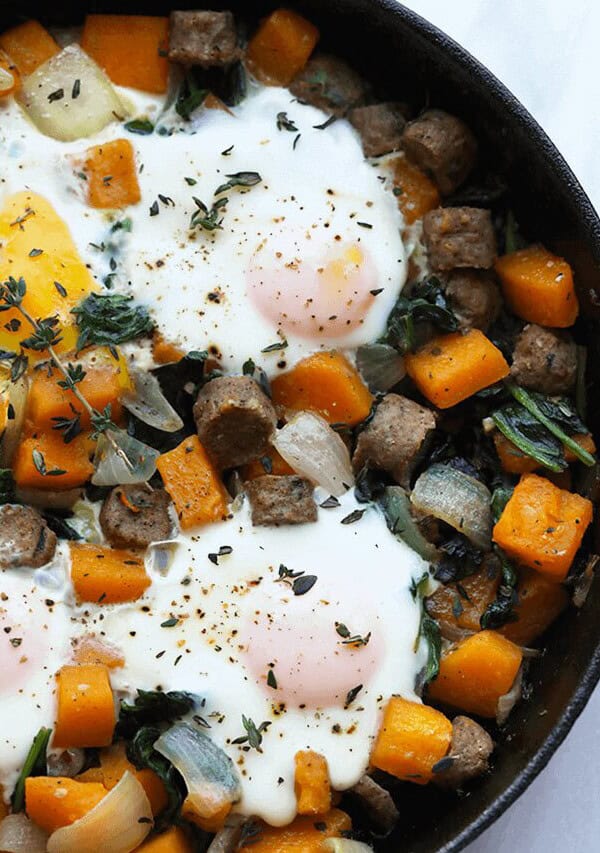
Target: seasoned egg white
x=309, y=258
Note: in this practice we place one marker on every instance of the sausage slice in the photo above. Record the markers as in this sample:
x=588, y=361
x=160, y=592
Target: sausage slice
x=281, y=500
x=396, y=438
x=380, y=127
x=459, y=237
x=25, y=538
x=442, y=146
x=203, y=38
x=376, y=802
x=235, y=420
x=544, y=360
x=330, y=84
x=134, y=516
x=475, y=298
x=470, y=750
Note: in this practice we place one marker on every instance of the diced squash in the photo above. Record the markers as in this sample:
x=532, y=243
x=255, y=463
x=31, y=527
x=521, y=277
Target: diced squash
x=515, y=461
x=212, y=823
x=174, y=840
x=193, y=484
x=9, y=76
x=106, y=575
x=91, y=650
x=281, y=46
x=67, y=466
x=28, y=45
x=327, y=384
x=271, y=463
x=415, y=193
x=114, y=764
x=451, y=368
x=86, y=708
x=462, y=605
x=28, y=222
x=539, y=602
x=66, y=111
x=538, y=287
x=313, y=790
x=412, y=738
x=111, y=175
x=92, y=774
x=164, y=351
x=476, y=673
x=130, y=48
x=55, y=801
x=542, y=526
x=304, y=835
x=106, y=380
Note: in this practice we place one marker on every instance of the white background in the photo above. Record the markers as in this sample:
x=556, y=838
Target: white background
x=548, y=53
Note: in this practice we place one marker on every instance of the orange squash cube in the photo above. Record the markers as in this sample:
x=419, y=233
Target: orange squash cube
x=313, y=791
x=305, y=834
x=55, y=801
x=174, y=840
x=542, y=526
x=415, y=193
x=412, y=739
x=67, y=466
x=111, y=175
x=86, y=708
x=28, y=45
x=539, y=602
x=281, y=46
x=106, y=575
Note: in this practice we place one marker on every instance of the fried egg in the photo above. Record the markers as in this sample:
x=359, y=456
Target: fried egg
x=310, y=257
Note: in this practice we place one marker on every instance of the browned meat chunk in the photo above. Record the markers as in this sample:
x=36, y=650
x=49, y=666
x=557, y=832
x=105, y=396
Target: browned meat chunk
x=441, y=145
x=25, y=539
x=380, y=127
x=376, y=802
x=475, y=298
x=396, y=437
x=135, y=516
x=235, y=420
x=470, y=749
x=544, y=360
x=203, y=38
x=281, y=500
x=459, y=237
x=330, y=84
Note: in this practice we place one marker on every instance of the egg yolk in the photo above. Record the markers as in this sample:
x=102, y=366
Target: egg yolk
x=312, y=294
x=312, y=665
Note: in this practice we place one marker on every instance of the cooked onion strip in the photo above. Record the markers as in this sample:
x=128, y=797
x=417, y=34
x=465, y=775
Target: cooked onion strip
x=209, y=774
x=345, y=845
x=381, y=366
x=458, y=499
x=149, y=404
x=18, y=834
x=118, y=824
x=315, y=451
x=123, y=460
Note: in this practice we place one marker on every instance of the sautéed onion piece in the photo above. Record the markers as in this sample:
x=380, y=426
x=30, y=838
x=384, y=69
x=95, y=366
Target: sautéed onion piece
x=18, y=834
x=149, y=404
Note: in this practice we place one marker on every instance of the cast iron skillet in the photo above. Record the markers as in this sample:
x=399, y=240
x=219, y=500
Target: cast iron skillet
x=407, y=58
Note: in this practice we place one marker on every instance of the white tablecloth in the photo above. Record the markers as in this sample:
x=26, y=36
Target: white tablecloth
x=548, y=53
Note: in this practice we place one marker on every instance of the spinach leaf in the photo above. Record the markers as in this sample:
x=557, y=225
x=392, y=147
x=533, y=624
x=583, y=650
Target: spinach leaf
x=142, y=126
x=140, y=751
x=7, y=486
x=430, y=631
x=459, y=559
x=110, y=319
x=190, y=97
x=61, y=526
x=501, y=610
x=369, y=485
x=35, y=765
x=541, y=427
x=500, y=497
x=426, y=305
x=152, y=707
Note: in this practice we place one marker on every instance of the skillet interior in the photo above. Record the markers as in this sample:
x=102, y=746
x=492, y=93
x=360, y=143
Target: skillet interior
x=409, y=59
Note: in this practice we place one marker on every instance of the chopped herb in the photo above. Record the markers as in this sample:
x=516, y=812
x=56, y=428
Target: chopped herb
x=303, y=584
x=351, y=695
x=430, y=631
x=365, y=225
x=284, y=123
x=62, y=290
x=349, y=639
x=239, y=179
x=209, y=220
x=190, y=97
x=275, y=347
x=325, y=124
x=170, y=623
x=122, y=225
x=76, y=90
x=330, y=503
x=34, y=765
x=191, y=182
x=296, y=141
x=248, y=367
x=56, y=96
x=254, y=733
x=70, y=427
x=222, y=552
x=154, y=209
x=197, y=355
x=19, y=367
x=35, y=253
x=227, y=151
x=110, y=319
x=141, y=126
x=356, y=515
x=271, y=680
x=166, y=200
x=40, y=465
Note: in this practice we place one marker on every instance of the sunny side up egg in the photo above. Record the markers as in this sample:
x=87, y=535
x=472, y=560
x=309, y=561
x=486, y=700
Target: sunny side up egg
x=312, y=255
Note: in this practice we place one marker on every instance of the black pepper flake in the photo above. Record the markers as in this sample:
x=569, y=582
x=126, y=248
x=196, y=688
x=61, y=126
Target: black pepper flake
x=296, y=141
x=320, y=826
x=154, y=210
x=35, y=253
x=227, y=151
x=160, y=654
x=76, y=90
x=356, y=515
x=377, y=291
x=56, y=96
x=271, y=680
x=169, y=623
